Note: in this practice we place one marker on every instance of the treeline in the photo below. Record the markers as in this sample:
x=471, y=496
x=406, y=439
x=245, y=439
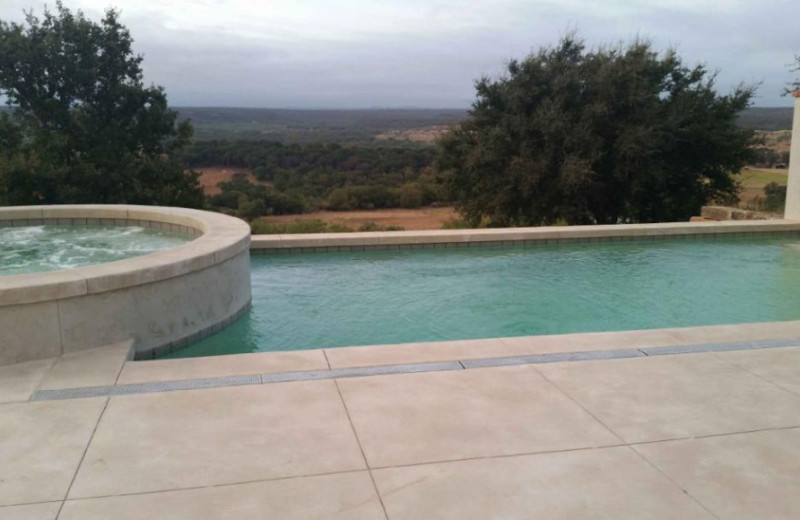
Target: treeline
x=307, y=177
x=771, y=158
x=307, y=126
x=766, y=118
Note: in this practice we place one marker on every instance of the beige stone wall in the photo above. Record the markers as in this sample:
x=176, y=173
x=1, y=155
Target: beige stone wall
x=326, y=242
x=162, y=300
x=720, y=213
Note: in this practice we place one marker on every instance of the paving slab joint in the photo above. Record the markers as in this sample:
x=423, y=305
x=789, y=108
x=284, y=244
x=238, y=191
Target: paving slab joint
x=467, y=364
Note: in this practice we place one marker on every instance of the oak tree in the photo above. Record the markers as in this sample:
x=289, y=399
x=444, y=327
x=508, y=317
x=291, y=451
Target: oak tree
x=82, y=127
x=595, y=136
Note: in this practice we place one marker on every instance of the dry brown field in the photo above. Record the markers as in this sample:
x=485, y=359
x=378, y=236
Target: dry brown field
x=428, y=134
x=409, y=219
x=778, y=140
x=210, y=178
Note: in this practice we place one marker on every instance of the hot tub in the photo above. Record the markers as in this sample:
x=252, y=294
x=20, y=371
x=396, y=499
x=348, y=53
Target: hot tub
x=162, y=300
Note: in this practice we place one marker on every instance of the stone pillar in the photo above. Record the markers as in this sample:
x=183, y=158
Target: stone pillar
x=792, y=210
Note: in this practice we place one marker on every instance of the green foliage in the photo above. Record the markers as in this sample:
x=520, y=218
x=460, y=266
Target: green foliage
x=84, y=128
x=764, y=156
x=774, y=197
x=369, y=226
x=456, y=223
x=260, y=227
x=327, y=175
x=373, y=226
x=361, y=197
x=410, y=195
x=612, y=135
x=250, y=200
x=313, y=126
x=251, y=208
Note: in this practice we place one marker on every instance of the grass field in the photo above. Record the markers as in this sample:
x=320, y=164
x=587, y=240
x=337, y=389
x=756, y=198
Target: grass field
x=760, y=177
x=754, y=179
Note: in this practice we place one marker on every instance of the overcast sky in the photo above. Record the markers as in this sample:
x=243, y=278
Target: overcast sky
x=415, y=53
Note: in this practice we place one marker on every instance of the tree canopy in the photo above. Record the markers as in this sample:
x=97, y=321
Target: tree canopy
x=83, y=127
x=296, y=178
x=595, y=136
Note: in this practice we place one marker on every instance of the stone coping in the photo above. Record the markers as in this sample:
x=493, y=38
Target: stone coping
x=220, y=237
x=110, y=370
x=323, y=242
x=744, y=335
x=141, y=377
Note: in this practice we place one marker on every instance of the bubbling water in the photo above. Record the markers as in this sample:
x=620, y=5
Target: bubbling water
x=32, y=249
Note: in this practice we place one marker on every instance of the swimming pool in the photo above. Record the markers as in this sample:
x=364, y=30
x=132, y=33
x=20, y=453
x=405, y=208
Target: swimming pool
x=29, y=249
x=314, y=300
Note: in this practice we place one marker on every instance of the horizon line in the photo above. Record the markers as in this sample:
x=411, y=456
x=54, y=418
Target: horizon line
x=322, y=108
x=367, y=108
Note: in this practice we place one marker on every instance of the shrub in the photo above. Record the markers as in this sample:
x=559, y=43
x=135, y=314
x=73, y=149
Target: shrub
x=456, y=223
x=774, y=197
x=361, y=197
x=251, y=208
x=369, y=226
x=259, y=227
x=410, y=196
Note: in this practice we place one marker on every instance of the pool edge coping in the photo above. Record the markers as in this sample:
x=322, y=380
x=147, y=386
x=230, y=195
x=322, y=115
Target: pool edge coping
x=360, y=241
x=405, y=368
x=219, y=238
x=367, y=356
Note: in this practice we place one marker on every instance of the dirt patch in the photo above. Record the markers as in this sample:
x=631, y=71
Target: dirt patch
x=410, y=219
x=212, y=176
x=778, y=140
x=428, y=134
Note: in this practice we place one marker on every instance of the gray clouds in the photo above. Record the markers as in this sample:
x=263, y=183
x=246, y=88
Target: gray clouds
x=370, y=53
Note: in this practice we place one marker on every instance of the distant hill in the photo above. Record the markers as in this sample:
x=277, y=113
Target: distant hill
x=289, y=125
x=365, y=125
x=292, y=125
x=305, y=126
x=333, y=118
x=767, y=118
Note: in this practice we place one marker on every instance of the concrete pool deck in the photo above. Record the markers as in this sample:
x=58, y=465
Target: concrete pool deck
x=709, y=434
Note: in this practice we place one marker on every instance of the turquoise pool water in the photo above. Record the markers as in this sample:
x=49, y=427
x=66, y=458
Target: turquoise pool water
x=45, y=248
x=305, y=301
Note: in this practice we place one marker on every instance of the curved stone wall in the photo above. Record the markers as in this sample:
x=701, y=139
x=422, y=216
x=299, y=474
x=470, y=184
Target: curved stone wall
x=162, y=300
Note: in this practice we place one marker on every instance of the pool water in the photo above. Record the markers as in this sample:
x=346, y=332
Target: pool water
x=45, y=248
x=303, y=301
